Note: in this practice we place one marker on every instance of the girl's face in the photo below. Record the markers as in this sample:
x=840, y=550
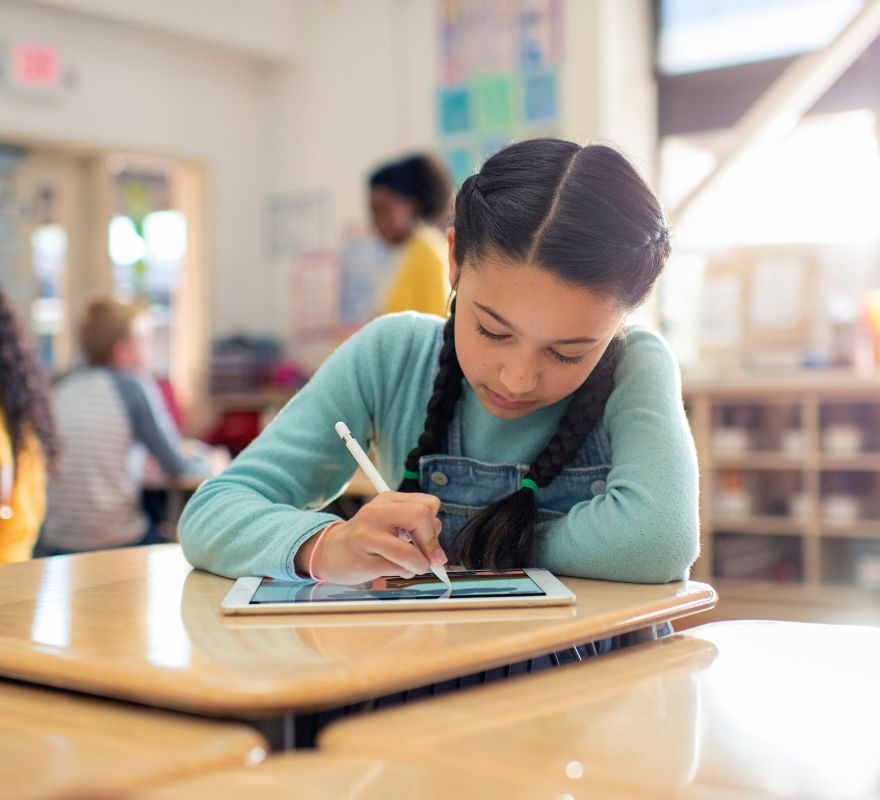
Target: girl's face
x=524, y=338
x=394, y=215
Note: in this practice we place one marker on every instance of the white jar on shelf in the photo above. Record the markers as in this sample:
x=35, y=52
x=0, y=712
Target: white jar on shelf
x=730, y=441
x=842, y=440
x=793, y=442
x=840, y=508
x=798, y=505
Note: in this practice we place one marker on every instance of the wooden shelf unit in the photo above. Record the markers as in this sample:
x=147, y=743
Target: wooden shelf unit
x=824, y=587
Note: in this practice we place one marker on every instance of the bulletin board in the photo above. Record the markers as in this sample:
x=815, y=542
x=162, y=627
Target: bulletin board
x=757, y=306
x=499, y=76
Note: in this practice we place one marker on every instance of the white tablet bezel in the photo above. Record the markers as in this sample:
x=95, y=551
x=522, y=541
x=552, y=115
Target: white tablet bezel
x=237, y=600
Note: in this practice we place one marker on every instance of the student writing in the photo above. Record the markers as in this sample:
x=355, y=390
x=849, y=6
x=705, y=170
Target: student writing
x=531, y=428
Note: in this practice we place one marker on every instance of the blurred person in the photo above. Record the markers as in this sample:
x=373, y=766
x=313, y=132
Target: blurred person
x=28, y=440
x=408, y=199
x=110, y=415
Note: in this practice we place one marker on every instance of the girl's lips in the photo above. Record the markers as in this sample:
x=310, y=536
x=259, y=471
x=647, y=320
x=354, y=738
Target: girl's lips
x=510, y=405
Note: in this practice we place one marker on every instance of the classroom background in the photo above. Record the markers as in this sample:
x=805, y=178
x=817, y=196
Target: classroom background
x=211, y=158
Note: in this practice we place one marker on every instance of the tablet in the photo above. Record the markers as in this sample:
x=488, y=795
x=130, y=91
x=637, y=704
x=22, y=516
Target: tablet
x=470, y=589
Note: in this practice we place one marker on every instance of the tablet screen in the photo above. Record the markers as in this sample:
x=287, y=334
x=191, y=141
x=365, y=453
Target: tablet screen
x=469, y=583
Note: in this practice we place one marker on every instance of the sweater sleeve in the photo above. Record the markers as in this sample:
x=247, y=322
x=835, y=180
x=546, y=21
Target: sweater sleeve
x=645, y=527
x=153, y=427
x=252, y=518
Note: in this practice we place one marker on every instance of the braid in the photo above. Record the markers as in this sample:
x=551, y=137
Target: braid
x=441, y=406
x=504, y=534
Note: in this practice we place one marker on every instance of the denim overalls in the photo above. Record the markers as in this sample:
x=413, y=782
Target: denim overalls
x=465, y=486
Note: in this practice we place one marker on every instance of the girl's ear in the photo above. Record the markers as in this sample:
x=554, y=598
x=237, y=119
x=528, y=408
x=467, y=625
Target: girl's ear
x=453, y=265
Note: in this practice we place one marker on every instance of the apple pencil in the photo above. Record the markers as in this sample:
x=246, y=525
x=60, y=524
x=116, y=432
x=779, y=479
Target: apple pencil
x=378, y=483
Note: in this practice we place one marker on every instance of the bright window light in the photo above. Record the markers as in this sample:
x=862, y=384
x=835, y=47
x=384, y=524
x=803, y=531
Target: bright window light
x=49, y=241
x=126, y=247
x=708, y=34
x=819, y=185
x=166, y=235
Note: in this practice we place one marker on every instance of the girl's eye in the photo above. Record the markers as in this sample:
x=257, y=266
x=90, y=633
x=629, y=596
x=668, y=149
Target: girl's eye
x=495, y=337
x=566, y=359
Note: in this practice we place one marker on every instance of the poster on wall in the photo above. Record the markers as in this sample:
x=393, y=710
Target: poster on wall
x=299, y=222
x=315, y=295
x=499, y=76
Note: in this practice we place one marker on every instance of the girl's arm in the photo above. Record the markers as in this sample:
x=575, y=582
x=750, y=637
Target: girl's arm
x=252, y=519
x=645, y=527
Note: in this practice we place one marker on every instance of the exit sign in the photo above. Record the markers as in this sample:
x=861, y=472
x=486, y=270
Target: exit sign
x=35, y=66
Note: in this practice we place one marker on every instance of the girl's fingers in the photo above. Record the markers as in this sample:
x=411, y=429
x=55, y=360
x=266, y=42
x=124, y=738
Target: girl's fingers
x=412, y=497
x=418, y=519
x=403, y=554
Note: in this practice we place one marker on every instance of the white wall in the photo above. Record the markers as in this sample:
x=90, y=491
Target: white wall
x=359, y=87
x=361, y=91
x=608, y=85
x=363, y=88
x=140, y=90
x=263, y=29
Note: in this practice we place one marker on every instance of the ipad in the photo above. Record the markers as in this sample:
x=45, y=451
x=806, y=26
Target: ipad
x=470, y=589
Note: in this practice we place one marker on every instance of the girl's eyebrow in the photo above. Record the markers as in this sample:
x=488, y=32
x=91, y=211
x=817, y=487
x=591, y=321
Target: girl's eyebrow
x=498, y=318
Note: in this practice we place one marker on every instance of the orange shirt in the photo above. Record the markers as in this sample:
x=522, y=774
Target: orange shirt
x=19, y=534
x=421, y=279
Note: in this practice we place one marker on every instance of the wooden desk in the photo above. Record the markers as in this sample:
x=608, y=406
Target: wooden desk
x=319, y=777
x=736, y=709
x=138, y=624
x=55, y=744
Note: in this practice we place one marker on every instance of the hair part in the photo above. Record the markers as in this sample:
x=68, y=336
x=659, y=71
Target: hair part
x=24, y=388
x=587, y=217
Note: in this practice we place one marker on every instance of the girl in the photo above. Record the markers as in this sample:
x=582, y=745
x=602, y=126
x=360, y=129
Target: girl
x=532, y=428
x=27, y=440
x=407, y=199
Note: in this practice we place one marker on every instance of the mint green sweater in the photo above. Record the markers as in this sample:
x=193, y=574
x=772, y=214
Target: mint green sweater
x=252, y=519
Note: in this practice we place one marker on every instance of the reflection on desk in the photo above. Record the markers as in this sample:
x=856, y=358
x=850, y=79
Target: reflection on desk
x=737, y=709
x=62, y=618
x=58, y=744
x=318, y=777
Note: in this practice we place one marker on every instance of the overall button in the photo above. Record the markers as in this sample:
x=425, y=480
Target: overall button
x=598, y=487
x=439, y=478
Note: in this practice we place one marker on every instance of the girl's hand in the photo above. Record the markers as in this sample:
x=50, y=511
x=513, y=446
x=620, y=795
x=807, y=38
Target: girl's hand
x=368, y=545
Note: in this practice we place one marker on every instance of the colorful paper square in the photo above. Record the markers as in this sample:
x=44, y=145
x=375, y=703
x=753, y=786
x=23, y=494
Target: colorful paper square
x=541, y=92
x=454, y=110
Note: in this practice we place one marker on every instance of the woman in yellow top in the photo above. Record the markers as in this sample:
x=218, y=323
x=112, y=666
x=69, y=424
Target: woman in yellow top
x=27, y=440
x=408, y=199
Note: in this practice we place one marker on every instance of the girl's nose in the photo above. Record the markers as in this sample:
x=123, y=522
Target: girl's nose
x=518, y=378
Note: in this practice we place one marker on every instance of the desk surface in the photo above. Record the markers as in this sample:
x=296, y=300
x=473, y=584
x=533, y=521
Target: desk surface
x=55, y=744
x=318, y=777
x=139, y=624
x=736, y=709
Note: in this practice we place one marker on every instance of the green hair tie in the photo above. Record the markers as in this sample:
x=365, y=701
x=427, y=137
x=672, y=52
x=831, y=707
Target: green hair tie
x=528, y=483
x=408, y=473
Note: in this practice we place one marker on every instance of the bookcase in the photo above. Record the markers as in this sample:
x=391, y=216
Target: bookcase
x=790, y=494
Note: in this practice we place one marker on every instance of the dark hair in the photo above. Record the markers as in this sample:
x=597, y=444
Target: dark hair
x=24, y=387
x=585, y=215
x=421, y=178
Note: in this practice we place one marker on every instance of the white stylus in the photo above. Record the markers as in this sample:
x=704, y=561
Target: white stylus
x=378, y=483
